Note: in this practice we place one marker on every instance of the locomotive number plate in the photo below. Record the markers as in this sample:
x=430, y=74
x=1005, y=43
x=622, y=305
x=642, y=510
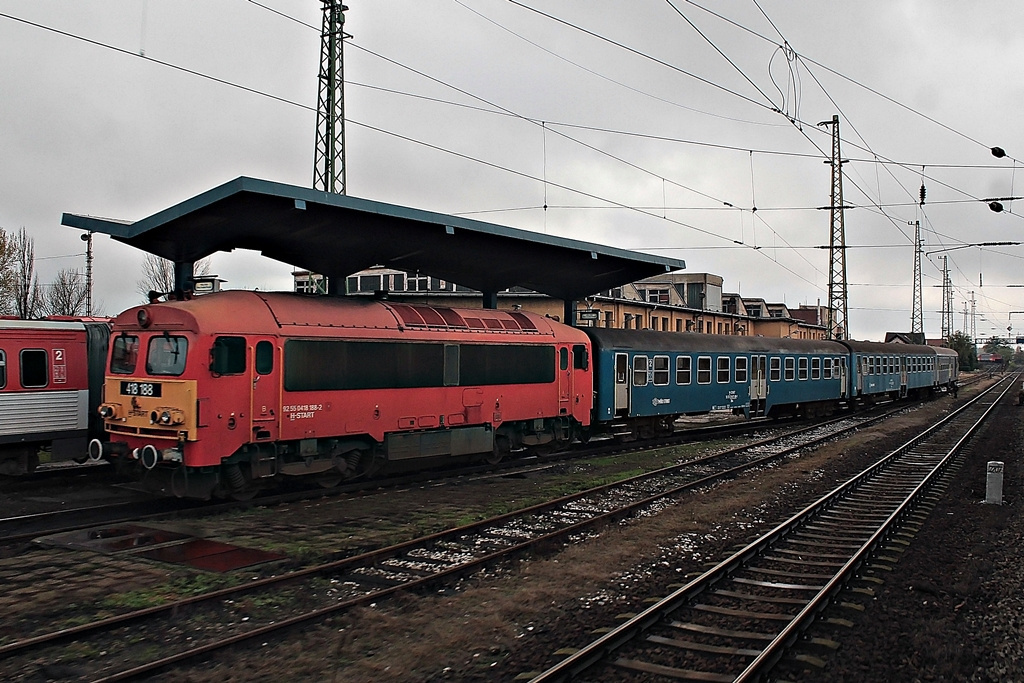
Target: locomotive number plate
x=140, y=389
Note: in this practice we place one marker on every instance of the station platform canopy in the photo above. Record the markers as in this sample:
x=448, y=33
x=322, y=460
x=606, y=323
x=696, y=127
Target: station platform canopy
x=337, y=235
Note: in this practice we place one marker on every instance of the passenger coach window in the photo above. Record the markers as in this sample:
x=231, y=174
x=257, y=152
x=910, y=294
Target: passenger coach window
x=3, y=369
x=34, y=368
x=723, y=370
x=264, y=358
x=816, y=368
x=704, y=370
x=661, y=370
x=741, y=369
x=827, y=373
x=124, y=355
x=684, y=370
x=801, y=368
x=166, y=355
x=639, y=371
x=775, y=370
x=227, y=356
x=790, y=369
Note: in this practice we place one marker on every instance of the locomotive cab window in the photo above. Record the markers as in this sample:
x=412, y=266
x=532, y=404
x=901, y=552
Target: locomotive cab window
x=264, y=358
x=639, y=371
x=124, y=354
x=34, y=368
x=3, y=369
x=166, y=355
x=227, y=357
x=563, y=358
x=580, y=358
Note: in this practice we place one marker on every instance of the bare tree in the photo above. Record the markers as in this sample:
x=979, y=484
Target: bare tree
x=158, y=274
x=27, y=298
x=67, y=295
x=7, y=273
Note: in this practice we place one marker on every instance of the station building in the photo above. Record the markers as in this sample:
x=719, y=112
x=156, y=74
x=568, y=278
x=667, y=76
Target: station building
x=673, y=302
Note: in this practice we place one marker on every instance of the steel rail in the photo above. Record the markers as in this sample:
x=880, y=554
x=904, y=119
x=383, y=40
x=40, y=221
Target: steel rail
x=373, y=557
x=601, y=648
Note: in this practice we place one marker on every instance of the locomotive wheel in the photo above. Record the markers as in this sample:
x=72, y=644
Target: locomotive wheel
x=502, y=448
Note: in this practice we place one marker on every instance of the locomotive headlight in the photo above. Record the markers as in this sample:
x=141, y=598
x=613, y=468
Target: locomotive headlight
x=165, y=418
x=107, y=411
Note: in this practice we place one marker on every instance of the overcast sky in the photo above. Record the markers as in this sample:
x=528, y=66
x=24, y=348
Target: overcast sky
x=651, y=125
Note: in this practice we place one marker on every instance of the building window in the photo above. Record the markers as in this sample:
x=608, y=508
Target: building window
x=655, y=296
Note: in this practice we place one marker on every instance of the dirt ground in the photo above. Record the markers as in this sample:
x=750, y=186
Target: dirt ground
x=949, y=610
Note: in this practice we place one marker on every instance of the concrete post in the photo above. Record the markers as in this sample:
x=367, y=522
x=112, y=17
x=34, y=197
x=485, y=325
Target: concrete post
x=994, y=483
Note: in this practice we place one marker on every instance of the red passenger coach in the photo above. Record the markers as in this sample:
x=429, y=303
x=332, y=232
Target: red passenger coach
x=219, y=394
x=45, y=398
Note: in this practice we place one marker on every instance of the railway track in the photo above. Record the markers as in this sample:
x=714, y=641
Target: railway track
x=438, y=559
x=20, y=529
x=736, y=620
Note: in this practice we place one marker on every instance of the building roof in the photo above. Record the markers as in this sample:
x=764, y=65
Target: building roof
x=337, y=235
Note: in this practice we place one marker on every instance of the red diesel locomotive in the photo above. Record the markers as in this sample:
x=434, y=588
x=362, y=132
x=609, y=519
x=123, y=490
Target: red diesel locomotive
x=216, y=395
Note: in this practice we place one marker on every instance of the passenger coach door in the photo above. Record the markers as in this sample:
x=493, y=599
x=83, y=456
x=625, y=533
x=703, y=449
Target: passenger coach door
x=758, y=384
x=266, y=390
x=621, y=384
x=843, y=377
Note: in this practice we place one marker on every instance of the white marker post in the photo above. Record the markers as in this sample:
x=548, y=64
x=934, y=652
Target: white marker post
x=994, y=483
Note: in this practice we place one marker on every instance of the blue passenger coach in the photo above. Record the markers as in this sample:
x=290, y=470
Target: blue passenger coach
x=644, y=380
x=899, y=370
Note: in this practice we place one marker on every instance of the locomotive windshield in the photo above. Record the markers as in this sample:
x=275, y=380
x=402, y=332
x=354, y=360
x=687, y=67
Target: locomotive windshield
x=166, y=355
x=124, y=355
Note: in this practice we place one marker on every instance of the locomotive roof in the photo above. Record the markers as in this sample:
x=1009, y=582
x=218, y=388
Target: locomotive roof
x=337, y=235
x=241, y=312
x=647, y=340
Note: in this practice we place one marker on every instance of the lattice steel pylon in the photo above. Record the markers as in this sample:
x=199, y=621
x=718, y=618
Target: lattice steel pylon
x=947, y=300
x=329, y=162
x=837, y=291
x=917, y=310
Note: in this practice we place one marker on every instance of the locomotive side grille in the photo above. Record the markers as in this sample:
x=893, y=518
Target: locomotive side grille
x=37, y=412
